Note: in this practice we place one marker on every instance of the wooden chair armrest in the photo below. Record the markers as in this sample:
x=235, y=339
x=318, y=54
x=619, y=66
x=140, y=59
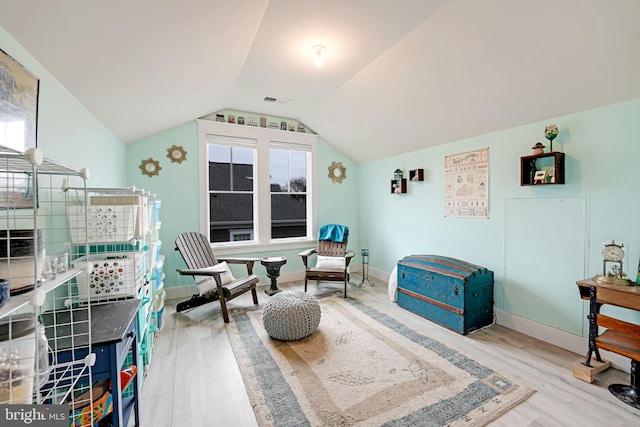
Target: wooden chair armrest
x=238, y=260
x=348, y=256
x=212, y=271
x=248, y=262
x=306, y=254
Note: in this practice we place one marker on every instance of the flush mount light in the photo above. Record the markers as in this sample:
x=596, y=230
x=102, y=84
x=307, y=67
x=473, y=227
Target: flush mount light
x=318, y=54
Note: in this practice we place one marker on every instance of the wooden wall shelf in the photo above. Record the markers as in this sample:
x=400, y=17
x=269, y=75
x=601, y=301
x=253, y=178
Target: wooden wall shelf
x=399, y=186
x=552, y=163
x=416, y=175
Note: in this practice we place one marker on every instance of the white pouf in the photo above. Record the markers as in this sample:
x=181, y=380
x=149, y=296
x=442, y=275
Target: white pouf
x=291, y=315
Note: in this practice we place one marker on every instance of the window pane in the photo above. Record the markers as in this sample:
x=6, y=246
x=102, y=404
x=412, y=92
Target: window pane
x=229, y=213
x=230, y=168
x=279, y=170
x=298, y=180
x=288, y=215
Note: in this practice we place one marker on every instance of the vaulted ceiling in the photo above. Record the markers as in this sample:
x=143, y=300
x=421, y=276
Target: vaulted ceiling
x=399, y=75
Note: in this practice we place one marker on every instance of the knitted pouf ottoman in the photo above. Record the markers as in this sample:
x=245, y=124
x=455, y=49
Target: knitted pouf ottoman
x=291, y=315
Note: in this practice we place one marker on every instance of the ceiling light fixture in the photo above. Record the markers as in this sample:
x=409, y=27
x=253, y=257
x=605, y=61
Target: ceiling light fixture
x=318, y=54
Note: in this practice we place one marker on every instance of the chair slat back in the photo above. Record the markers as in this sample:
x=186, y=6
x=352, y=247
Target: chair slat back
x=195, y=250
x=330, y=248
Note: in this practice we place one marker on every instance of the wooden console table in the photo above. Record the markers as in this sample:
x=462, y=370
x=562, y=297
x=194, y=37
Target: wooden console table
x=619, y=336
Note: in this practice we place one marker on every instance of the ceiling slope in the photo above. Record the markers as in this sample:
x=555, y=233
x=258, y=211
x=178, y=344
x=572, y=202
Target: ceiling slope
x=398, y=76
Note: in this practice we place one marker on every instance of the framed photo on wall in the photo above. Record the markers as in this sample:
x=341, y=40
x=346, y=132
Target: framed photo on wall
x=18, y=104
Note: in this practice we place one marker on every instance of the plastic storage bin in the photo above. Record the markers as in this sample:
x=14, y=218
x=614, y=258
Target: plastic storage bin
x=104, y=223
x=114, y=275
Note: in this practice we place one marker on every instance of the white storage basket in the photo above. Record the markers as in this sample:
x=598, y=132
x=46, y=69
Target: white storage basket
x=105, y=223
x=114, y=275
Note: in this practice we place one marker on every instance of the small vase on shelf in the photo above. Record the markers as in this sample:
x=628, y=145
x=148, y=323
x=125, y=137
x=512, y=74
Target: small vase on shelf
x=550, y=132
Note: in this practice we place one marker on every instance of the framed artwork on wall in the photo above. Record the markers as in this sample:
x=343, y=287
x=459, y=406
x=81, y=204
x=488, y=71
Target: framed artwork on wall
x=18, y=104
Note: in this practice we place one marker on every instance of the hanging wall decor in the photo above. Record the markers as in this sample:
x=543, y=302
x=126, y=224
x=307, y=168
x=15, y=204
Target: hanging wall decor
x=177, y=154
x=466, y=192
x=337, y=172
x=150, y=167
x=18, y=104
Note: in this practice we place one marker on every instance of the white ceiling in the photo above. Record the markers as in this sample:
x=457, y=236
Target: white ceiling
x=399, y=74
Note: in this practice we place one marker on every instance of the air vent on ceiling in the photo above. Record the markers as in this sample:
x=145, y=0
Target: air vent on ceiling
x=276, y=100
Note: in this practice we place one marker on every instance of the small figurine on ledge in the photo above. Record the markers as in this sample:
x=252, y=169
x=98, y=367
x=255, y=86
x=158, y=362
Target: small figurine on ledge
x=550, y=132
x=538, y=148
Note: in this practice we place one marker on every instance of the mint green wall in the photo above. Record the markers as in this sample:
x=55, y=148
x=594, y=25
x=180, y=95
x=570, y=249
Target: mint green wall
x=67, y=132
x=177, y=186
x=601, y=191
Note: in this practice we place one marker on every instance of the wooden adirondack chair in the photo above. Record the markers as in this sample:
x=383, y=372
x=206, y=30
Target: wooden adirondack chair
x=332, y=263
x=196, y=252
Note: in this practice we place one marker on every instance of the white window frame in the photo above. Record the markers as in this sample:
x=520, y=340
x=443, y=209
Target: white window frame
x=265, y=139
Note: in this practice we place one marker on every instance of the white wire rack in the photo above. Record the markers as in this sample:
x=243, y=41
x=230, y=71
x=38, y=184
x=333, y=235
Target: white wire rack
x=123, y=252
x=45, y=341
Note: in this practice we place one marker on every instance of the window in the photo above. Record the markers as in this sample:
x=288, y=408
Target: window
x=258, y=185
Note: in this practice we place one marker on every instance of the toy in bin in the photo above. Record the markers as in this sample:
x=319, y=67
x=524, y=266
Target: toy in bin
x=85, y=414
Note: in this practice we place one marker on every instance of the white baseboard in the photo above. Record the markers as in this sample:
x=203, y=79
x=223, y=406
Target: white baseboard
x=557, y=337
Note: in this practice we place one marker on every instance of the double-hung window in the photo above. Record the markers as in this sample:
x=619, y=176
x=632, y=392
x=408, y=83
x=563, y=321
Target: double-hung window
x=258, y=183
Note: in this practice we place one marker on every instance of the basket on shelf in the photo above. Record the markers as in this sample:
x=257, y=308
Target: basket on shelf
x=114, y=275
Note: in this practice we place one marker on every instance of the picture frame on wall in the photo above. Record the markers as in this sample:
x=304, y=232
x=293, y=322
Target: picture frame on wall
x=19, y=89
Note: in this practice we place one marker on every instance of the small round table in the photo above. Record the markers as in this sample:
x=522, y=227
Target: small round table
x=273, y=264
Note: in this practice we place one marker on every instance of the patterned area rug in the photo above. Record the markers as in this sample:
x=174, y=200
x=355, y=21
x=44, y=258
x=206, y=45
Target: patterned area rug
x=364, y=368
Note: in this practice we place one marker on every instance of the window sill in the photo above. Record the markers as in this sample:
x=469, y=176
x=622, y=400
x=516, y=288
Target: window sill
x=220, y=250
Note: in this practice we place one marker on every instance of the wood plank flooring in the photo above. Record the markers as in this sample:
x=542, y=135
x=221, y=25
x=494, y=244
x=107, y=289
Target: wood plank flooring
x=194, y=380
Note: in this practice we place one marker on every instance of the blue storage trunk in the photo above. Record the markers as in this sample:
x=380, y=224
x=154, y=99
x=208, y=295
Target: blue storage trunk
x=452, y=293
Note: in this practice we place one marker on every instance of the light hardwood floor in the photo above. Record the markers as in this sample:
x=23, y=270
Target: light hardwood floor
x=193, y=379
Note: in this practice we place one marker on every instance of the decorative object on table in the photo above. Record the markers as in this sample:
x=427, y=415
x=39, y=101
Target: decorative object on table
x=337, y=172
x=252, y=122
x=272, y=264
x=301, y=128
x=538, y=148
x=231, y=118
x=613, y=264
x=219, y=117
x=283, y=125
x=263, y=122
x=18, y=102
x=550, y=132
x=274, y=125
x=150, y=167
x=176, y=154
x=365, y=267
x=240, y=120
x=292, y=128
x=356, y=354
x=291, y=315
x=540, y=176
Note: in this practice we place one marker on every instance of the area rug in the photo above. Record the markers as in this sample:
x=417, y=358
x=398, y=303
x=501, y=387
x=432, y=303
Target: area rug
x=364, y=368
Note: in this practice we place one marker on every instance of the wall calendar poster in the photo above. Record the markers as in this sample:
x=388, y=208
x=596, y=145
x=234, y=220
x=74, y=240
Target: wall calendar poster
x=466, y=192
